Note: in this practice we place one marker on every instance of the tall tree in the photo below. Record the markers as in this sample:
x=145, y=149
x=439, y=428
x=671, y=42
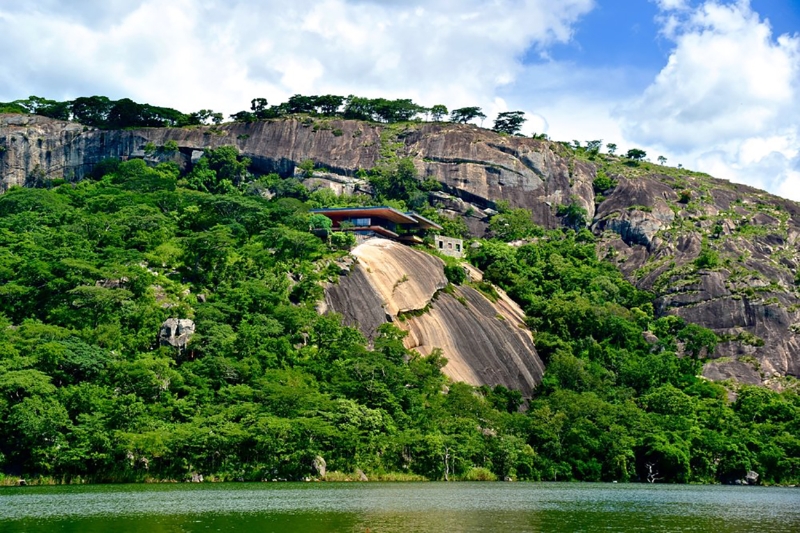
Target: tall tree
x=509, y=122
x=438, y=112
x=637, y=154
x=463, y=115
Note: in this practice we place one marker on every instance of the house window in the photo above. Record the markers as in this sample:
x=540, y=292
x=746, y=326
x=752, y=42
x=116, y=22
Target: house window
x=361, y=222
x=458, y=247
x=441, y=245
x=450, y=245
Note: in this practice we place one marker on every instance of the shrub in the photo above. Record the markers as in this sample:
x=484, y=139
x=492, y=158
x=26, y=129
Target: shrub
x=603, y=183
x=455, y=274
x=479, y=473
x=707, y=259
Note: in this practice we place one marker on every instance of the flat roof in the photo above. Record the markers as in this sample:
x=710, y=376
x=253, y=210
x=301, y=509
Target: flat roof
x=426, y=223
x=389, y=213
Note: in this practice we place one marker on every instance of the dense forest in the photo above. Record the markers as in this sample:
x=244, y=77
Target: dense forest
x=89, y=271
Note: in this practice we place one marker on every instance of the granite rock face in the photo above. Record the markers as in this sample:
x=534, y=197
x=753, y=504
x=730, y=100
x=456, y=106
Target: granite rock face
x=484, y=342
x=659, y=224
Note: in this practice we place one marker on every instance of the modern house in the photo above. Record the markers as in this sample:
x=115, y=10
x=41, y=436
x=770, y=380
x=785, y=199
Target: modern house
x=380, y=221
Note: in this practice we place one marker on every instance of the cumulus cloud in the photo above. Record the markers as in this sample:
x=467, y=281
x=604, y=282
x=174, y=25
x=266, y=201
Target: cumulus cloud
x=728, y=100
x=209, y=53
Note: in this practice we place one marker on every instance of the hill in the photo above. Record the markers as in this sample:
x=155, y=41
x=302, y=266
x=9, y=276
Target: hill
x=721, y=255
x=160, y=315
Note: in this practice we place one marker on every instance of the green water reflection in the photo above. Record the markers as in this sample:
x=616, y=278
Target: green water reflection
x=409, y=507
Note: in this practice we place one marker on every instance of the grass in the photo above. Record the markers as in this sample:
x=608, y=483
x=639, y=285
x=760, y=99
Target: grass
x=339, y=477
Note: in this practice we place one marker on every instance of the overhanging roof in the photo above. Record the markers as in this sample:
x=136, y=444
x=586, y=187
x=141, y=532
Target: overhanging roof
x=424, y=223
x=388, y=213
x=385, y=212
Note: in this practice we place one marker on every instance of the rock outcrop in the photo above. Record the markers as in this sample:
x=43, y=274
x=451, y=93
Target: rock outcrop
x=176, y=332
x=722, y=255
x=484, y=342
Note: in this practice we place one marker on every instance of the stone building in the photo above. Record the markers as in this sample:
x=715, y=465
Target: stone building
x=449, y=246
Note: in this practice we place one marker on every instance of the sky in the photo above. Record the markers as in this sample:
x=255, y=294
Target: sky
x=713, y=85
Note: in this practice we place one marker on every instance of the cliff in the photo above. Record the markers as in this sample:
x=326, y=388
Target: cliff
x=485, y=342
x=722, y=255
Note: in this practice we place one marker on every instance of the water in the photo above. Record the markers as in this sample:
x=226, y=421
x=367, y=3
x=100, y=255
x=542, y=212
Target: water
x=399, y=507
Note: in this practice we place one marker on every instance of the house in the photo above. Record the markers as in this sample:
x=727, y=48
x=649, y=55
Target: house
x=381, y=221
x=449, y=246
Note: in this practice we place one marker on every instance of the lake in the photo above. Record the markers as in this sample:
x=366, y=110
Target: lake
x=398, y=507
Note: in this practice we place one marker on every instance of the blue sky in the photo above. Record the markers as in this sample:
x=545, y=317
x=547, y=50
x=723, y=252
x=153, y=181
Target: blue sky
x=710, y=84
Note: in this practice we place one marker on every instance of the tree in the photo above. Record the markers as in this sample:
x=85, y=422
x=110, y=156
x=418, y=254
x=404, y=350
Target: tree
x=329, y=104
x=574, y=216
x=92, y=110
x=319, y=222
x=514, y=225
x=259, y=108
x=662, y=160
x=465, y=114
x=301, y=104
x=438, y=112
x=593, y=147
x=636, y=154
x=243, y=116
x=358, y=108
x=509, y=122
x=612, y=148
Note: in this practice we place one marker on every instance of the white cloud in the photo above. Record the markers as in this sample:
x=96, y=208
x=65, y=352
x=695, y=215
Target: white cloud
x=192, y=54
x=728, y=100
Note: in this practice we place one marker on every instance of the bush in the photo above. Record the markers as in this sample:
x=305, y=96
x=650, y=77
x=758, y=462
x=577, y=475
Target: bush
x=479, y=473
x=342, y=240
x=707, y=259
x=603, y=183
x=455, y=274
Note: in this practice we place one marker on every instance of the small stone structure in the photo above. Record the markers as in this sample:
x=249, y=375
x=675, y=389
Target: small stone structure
x=449, y=246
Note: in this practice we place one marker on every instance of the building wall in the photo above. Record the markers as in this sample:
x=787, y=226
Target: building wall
x=449, y=246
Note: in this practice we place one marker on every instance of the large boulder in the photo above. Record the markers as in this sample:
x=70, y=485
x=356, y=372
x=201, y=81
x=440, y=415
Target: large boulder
x=176, y=332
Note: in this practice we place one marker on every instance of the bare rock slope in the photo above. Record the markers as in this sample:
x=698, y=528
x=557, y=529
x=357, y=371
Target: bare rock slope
x=485, y=342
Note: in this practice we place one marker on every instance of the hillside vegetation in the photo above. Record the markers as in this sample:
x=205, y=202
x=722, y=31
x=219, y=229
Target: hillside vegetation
x=90, y=270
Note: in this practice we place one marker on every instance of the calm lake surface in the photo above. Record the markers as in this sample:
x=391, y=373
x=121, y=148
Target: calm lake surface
x=398, y=507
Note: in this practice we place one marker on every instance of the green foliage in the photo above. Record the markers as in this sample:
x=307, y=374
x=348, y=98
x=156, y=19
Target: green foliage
x=603, y=183
x=466, y=114
x=515, y=224
x=219, y=171
x=320, y=222
x=455, y=274
x=612, y=406
x=89, y=271
x=342, y=240
x=573, y=215
x=438, y=112
x=509, y=122
x=707, y=259
x=636, y=154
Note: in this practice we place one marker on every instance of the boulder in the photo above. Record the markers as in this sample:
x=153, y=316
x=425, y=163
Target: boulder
x=320, y=466
x=176, y=332
x=751, y=478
